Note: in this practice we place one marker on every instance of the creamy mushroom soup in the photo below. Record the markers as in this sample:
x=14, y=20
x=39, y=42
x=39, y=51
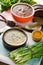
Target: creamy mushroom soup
x=14, y=37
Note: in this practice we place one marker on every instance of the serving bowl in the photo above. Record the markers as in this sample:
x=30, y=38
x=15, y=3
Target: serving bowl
x=37, y=35
x=38, y=15
x=22, y=19
x=14, y=38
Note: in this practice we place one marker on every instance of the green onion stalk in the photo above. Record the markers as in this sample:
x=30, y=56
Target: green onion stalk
x=23, y=54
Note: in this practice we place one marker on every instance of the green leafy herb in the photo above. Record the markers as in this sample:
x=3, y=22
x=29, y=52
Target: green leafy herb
x=31, y=2
x=6, y=4
x=23, y=54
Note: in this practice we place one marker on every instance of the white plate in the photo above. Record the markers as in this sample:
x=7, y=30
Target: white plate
x=6, y=60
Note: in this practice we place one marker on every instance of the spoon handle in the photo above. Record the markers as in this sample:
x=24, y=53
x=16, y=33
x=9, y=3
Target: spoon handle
x=3, y=17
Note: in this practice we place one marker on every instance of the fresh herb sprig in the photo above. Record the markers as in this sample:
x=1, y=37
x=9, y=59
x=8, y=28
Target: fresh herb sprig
x=31, y=2
x=6, y=4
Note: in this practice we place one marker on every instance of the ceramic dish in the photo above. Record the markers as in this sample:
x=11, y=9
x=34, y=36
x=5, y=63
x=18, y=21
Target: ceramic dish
x=19, y=12
x=38, y=16
x=37, y=35
x=14, y=38
x=6, y=60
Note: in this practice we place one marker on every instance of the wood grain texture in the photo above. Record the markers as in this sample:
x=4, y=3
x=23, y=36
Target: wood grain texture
x=41, y=63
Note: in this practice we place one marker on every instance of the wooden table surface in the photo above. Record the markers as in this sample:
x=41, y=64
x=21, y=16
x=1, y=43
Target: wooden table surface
x=42, y=62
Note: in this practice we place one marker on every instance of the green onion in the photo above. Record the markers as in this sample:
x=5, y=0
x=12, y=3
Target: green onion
x=23, y=54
